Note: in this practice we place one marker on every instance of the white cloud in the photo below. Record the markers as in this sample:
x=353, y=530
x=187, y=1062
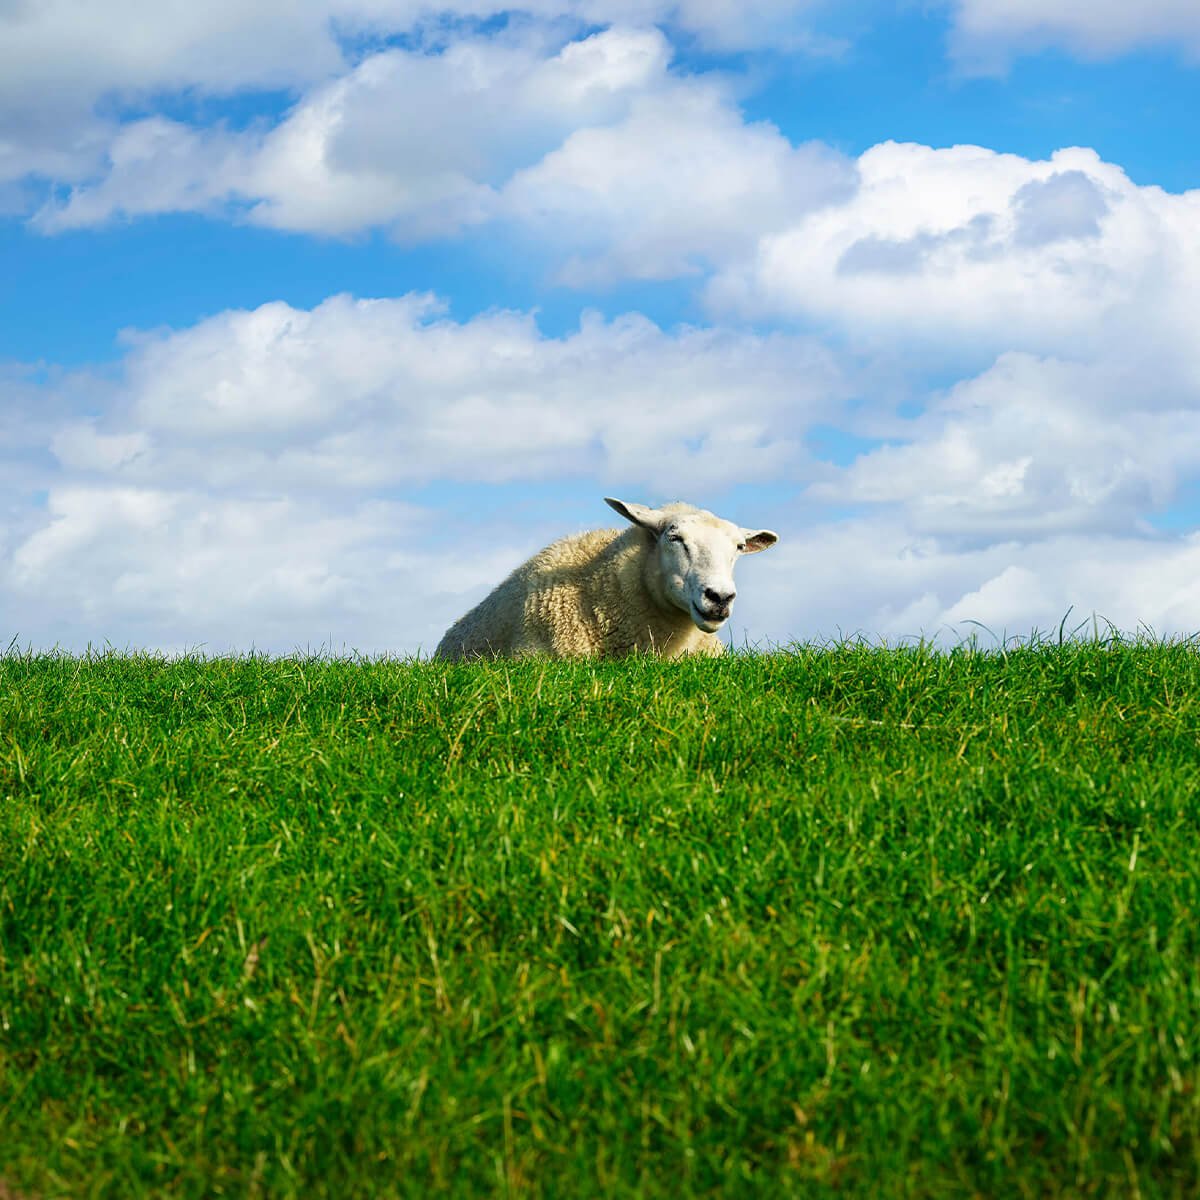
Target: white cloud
x=153, y=166
x=873, y=577
x=177, y=568
x=237, y=481
x=183, y=567
x=412, y=140
x=681, y=183
x=384, y=393
x=38, y=141
x=239, y=485
x=975, y=250
x=1031, y=485
x=251, y=480
x=1035, y=447
x=594, y=151
x=135, y=45
x=60, y=59
x=131, y=46
x=62, y=62
x=419, y=142
x=987, y=33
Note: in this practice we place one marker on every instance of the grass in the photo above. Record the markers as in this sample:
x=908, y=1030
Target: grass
x=847, y=920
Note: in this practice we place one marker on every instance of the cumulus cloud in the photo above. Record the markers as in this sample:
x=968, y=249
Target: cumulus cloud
x=416, y=141
x=151, y=166
x=678, y=185
x=987, y=33
x=67, y=68
x=874, y=577
x=185, y=568
x=990, y=252
x=62, y=61
x=1059, y=293
x=134, y=46
x=1068, y=204
x=355, y=154
x=180, y=568
x=360, y=473
x=1033, y=447
x=728, y=24
x=358, y=393
x=252, y=479
x=596, y=151
x=282, y=475
x=409, y=139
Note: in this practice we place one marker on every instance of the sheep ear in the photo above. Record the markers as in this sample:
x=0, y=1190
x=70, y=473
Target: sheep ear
x=760, y=540
x=639, y=514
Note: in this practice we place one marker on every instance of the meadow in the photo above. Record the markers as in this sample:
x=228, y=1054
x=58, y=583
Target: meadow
x=841, y=920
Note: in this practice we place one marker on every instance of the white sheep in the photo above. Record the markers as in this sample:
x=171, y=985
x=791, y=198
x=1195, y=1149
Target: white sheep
x=665, y=585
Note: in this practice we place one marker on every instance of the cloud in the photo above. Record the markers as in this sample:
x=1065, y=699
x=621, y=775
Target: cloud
x=152, y=166
x=987, y=33
x=185, y=568
x=131, y=45
x=1065, y=206
x=679, y=184
x=179, y=568
x=983, y=252
x=68, y=71
x=874, y=577
x=595, y=152
x=357, y=154
x=62, y=63
x=363, y=471
x=1035, y=446
x=385, y=393
x=253, y=479
x=415, y=141
x=138, y=46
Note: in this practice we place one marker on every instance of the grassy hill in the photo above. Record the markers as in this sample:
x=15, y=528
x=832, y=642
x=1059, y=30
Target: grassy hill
x=881, y=922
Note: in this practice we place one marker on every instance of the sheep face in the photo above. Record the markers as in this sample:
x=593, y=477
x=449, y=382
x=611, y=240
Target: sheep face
x=695, y=556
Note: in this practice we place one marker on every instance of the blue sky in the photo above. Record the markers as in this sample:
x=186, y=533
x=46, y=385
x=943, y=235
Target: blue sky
x=316, y=318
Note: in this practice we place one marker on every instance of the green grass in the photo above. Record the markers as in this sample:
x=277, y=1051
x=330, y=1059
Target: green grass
x=865, y=921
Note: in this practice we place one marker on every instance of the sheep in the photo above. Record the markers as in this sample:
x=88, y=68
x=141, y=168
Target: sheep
x=663, y=586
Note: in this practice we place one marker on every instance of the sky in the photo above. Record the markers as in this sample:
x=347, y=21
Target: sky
x=317, y=317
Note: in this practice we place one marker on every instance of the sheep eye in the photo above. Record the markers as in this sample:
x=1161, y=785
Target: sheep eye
x=674, y=537
x=742, y=547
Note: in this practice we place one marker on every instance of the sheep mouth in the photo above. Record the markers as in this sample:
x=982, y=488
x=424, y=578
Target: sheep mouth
x=710, y=621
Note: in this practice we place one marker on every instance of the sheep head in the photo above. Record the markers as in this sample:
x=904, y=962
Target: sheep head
x=695, y=556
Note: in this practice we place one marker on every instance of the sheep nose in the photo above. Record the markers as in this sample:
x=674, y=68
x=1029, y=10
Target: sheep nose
x=719, y=599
